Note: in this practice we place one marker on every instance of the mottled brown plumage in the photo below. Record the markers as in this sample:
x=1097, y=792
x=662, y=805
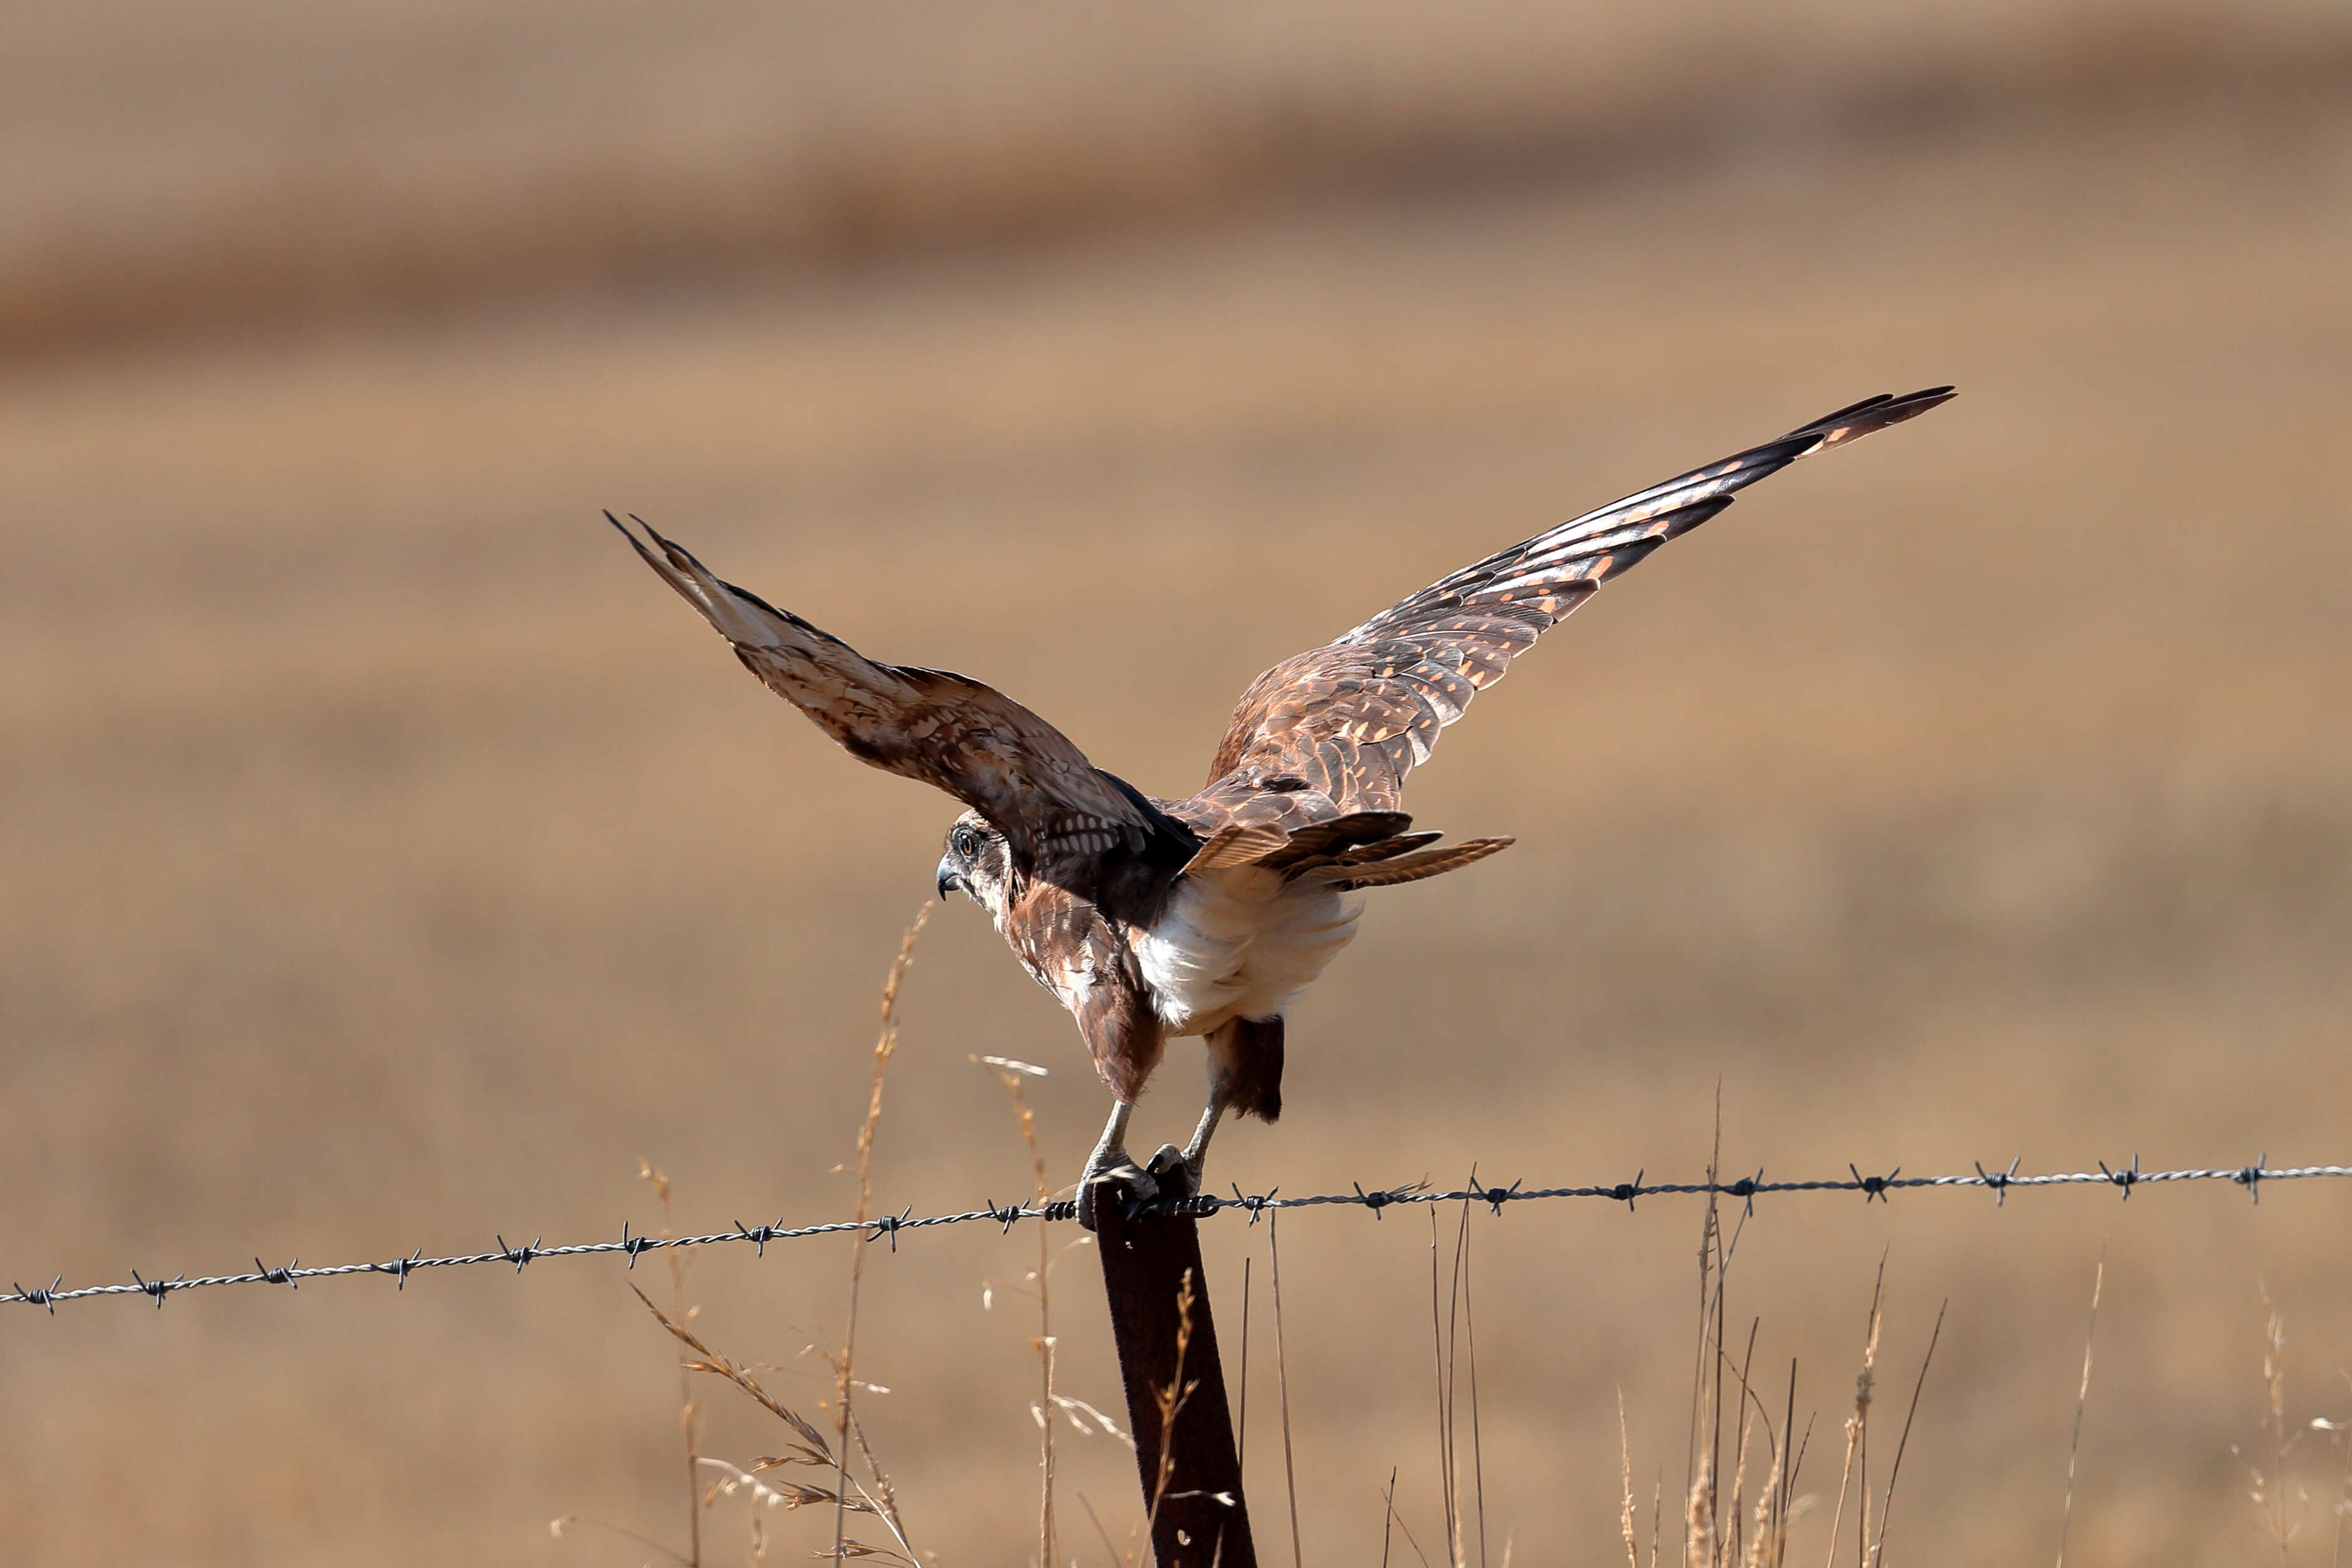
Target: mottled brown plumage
x=1150, y=917
x=1069, y=823
x=1348, y=720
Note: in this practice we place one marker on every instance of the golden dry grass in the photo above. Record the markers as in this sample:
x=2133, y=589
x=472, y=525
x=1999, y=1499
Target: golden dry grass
x=391, y=862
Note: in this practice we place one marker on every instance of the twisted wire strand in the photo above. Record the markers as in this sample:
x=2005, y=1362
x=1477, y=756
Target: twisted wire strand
x=890, y=1227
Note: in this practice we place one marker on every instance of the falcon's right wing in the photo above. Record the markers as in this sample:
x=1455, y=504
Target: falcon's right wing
x=1060, y=814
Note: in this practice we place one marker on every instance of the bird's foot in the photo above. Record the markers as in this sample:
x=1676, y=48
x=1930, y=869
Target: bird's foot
x=1178, y=1172
x=1112, y=1176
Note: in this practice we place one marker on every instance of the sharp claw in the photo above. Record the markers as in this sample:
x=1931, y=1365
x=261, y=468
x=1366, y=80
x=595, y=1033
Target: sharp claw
x=1112, y=1168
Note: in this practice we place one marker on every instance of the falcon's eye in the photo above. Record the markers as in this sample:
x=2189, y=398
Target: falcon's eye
x=966, y=842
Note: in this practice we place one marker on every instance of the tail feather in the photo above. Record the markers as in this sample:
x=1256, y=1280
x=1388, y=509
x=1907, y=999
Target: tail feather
x=1279, y=848
x=1245, y=1066
x=1388, y=871
x=1365, y=854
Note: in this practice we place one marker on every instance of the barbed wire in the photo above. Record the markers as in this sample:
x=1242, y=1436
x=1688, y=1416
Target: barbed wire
x=2000, y=1182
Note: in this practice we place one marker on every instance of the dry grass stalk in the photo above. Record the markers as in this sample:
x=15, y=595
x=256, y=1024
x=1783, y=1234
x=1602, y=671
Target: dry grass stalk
x=790, y=1495
x=1282, y=1387
x=1895, y=1471
x=1625, y=1478
x=884, y=1493
x=1858, y=1426
x=812, y=1446
x=1729, y=1549
x=1467, y=1297
x=1126, y=1559
x=1728, y=1528
x=687, y=1415
x=1010, y=1073
x=1172, y=1398
x=556, y=1527
x=814, y=1449
x=1766, y=1546
x=885, y=1043
x=1694, y=1466
x=1790, y=1504
x=2339, y=1433
x=1241, y=1416
x=774, y=1494
x=1396, y=1518
x=1698, y=1516
x=733, y=1478
x=1460, y=1322
x=1704, y=1441
x=2270, y=1493
x=2082, y=1398
x=1440, y=1363
x=1705, y=1543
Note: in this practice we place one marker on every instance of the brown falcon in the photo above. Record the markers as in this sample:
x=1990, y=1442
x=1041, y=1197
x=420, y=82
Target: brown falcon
x=1151, y=919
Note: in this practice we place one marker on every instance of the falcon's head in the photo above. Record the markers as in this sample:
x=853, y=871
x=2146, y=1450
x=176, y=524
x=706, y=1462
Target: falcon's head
x=977, y=862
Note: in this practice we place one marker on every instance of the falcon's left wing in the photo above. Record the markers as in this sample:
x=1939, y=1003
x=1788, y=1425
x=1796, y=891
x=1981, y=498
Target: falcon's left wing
x=1060, y=813
x=1329, y=735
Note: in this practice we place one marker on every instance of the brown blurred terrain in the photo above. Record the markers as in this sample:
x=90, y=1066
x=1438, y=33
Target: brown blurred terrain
x=390, y=861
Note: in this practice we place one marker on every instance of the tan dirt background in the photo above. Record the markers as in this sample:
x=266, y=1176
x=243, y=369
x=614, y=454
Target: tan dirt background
x=390, y=861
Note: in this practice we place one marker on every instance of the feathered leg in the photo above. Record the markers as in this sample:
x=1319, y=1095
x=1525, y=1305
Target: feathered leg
x=1244, y=1077
x=1123, y=1036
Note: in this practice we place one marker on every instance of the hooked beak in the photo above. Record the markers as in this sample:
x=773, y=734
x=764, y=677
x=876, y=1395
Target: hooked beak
x=951, y=880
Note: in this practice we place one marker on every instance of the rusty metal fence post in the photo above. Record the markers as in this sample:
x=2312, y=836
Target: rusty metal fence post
x=1167, y=1342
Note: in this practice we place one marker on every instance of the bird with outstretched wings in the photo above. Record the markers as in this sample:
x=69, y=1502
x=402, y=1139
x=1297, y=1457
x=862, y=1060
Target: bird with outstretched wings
x=1154, y=919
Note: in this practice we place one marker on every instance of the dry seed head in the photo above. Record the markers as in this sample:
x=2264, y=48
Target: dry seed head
x=1698, y=1515
x=649, y=1172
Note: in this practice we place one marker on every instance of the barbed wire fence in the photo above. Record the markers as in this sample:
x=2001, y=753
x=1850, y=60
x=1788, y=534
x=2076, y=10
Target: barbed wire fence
x=890, y=1227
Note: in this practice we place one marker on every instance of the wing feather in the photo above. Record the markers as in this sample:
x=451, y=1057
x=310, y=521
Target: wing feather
x=1351, y=718
x=1060, y=813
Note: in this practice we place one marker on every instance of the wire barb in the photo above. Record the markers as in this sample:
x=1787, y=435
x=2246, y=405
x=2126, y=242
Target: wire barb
x=2127, y=1178
x=888, y=1225
x=1744, y=1189
x=1873, y=1186
x=2000, y=1182
x=1254, y=1202
x=158, y=1287
x=399, y=1266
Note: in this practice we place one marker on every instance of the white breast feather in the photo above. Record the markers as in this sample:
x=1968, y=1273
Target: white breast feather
x=1240, y=942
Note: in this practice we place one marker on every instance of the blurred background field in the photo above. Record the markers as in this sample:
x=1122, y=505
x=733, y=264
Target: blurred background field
x=390, y=861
